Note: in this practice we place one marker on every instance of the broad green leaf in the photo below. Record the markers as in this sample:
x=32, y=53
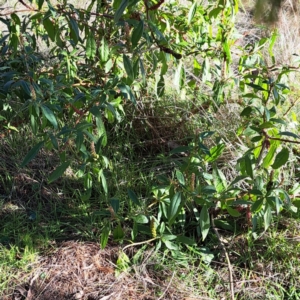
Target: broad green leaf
x=248, y=166
x=128, y=67
x=59, y=171
x=291, y=134
x=101, y=131
x=141, y=219
x=214, y=153
x=208, y=189
x=160, y=86
x=142, y=70
x=171, y=245
x=118, y=233
x=33, y=124
x=246, y=111
x=233, y=212
x=25, y=87
x=174, y=208
x=185, y=240
x=115, y=204
x=281, y=158
x=74, y=30
x=226, y=49
x=219, y=180
x=32, y=154
x=104, y=236
x=104, y=50
x=40, y=4
x=91, y=46
x=137, y=34
x=79, y=140
x=256, y=139
x=180, y=177
x=53, y=141
x=48, y=113
x=136, y=67
x=179, y=78
x=120, y=10
x=133, y=197
x=192, y=12
x=103, y=181
x=267, y=161
x=50, y=28
x=204, y=222
x=238, y=179
x=224, y=225
x=168, y=237
x=256, y=87
x=256, y=206
x=267, y=216
x=206, y=76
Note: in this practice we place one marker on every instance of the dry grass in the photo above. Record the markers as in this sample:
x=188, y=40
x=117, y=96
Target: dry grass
x=78, y=270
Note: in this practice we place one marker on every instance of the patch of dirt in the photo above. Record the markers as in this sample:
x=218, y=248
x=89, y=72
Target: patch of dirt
x=83, y=271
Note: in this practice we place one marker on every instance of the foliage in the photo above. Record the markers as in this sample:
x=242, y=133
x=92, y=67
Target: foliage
x=103, y=58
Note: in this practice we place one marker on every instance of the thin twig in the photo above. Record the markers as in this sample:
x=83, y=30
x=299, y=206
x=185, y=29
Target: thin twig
x=161, y=297
x=226, y=255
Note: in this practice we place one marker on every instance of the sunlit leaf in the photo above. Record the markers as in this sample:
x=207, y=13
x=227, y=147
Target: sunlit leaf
x=104, y=50
x=204, y=222
x=91, y=46
x=192, y=12
x=281, y=158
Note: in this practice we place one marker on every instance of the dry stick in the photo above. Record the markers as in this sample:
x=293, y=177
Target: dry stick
x=139, y=243
x=226, y=255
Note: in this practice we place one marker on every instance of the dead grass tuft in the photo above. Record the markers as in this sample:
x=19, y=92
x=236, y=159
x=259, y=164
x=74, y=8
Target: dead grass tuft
x=84, y=271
